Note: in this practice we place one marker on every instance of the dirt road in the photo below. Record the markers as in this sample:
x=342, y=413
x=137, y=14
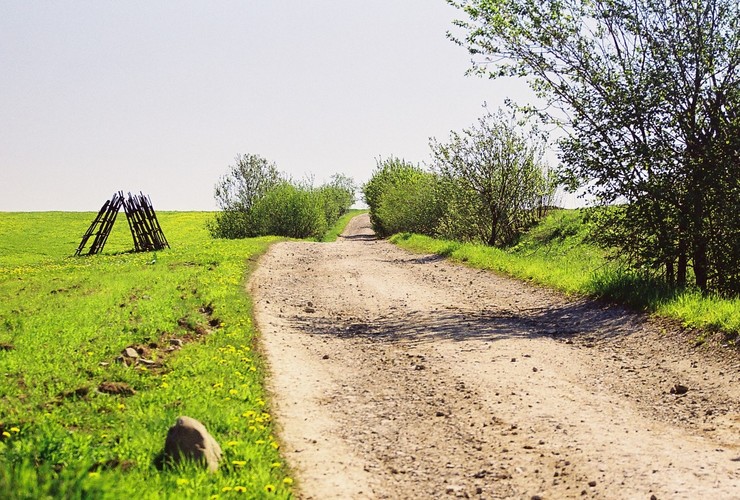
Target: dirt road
x=403, y=376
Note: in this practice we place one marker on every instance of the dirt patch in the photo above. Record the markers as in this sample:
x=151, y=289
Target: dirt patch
x=403, y=376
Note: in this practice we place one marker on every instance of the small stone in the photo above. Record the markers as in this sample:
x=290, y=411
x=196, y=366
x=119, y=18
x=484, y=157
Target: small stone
x=513, y=360
x=176, y=342
x=189, y=439
x=325, y=356
x=534, y=369
x=679, y=389
x=440, y=414
x=309, y=310
x=592, y=483
x=130, y=352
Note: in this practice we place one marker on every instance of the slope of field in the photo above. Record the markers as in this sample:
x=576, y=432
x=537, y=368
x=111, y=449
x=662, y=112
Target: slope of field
x=75, y=421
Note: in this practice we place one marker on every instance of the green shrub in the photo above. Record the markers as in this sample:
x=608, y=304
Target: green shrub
x=290, y=211
x=256, y=200
x=402, y=198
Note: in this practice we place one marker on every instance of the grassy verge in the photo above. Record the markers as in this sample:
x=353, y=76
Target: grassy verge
x=333, y=233
x=557, y=254
x=65, y=320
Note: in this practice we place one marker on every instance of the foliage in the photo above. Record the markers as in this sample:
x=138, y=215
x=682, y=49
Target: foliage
x=494, y=181
x=291, y=211
x=557, y=252
x=648, y=94
x=63, y=323
x=402, y=197
x=256, y=200
x=337, y=196
x=238, y=191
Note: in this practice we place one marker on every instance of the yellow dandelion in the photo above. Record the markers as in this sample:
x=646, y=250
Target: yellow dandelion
x=233, y=392
x=232, y=443
x=288, y=481
x=121, y=406
x=239, y=463
x=275, y=465
x=226, y=489
x=269, y=488
x=275, y=445
x=214, y=497
x=260, y=441
x=240, y=489
x=15, y=429
x=93, y=474
x=182, y=481
x=217, y=385
x=252, y=428
x=165, y=385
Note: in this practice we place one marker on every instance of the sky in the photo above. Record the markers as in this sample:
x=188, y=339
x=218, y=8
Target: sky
x=160, y=96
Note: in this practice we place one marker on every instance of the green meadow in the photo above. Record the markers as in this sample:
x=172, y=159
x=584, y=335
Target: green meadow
x=558, y=253
x=64, y=322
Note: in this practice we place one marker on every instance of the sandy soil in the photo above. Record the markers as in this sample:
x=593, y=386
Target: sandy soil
x=403, y=376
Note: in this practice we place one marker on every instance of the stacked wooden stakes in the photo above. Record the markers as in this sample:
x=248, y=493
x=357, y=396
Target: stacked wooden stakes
x=142, y=221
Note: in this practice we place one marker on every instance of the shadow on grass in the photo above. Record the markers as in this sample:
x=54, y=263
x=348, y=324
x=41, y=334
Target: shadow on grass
x=639, y=292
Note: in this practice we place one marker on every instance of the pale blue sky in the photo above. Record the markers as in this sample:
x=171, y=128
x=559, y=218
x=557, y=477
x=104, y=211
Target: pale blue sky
x=159, y=96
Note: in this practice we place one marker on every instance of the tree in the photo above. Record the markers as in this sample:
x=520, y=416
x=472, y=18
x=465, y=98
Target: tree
x=494, y=180
x=647, y=91
x=246, y=182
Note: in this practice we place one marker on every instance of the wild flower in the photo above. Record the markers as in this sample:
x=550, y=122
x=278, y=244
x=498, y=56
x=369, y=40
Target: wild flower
x=288, y=481
x=181, y=481
x=240, y=489
x=239, y=463
x=269, y=488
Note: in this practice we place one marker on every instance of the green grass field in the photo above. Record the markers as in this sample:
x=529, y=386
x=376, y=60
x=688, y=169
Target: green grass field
x=557, y=253
x=63, y=322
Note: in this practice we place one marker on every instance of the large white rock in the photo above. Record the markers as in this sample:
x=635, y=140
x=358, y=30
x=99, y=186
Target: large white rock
x=189, y=439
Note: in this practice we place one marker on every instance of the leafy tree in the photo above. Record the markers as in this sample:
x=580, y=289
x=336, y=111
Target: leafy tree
x=248, y=180
x=338, y=195
x=494, y=180
x=647, y=91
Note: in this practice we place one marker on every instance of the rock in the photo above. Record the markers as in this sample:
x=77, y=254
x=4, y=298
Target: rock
x=309, y=310
x=679, y=389
x=130, y=352
x=176, y=342
x=189, y=439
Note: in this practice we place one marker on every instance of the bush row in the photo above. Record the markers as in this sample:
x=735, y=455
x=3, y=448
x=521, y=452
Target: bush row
x=487, y=184
x=256, y=200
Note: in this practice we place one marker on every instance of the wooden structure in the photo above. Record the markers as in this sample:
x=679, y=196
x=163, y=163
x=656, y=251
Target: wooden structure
x=142, y=221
